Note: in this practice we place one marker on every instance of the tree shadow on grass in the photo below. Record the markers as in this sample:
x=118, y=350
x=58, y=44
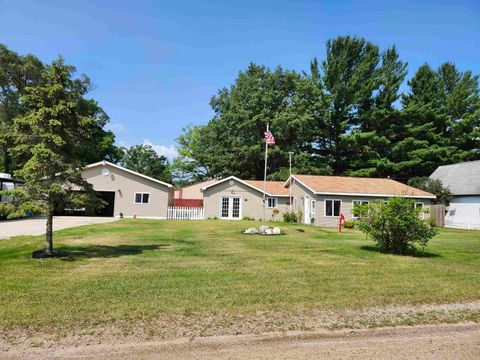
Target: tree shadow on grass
x=72, y=253
x=411, y=252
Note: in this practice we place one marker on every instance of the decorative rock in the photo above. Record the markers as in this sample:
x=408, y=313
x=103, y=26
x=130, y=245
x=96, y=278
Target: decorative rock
x=251, y=231
x=276, y=231
x=263, y=229
x=269, y=231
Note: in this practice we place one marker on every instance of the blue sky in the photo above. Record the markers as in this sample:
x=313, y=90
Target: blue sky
x=156, y=64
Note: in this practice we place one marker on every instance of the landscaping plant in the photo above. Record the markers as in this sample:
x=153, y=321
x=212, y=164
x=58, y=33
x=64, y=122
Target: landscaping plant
x=396, y=226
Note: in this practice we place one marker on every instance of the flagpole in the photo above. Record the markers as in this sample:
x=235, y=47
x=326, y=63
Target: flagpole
x=265, y=177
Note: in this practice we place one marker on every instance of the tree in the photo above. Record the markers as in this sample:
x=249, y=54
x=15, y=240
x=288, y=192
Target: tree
x=395, y=226
x=16, y=73
x=432, y=186
x=232, y=142
x=145, y=160
x=52, y=134
x=347, y=80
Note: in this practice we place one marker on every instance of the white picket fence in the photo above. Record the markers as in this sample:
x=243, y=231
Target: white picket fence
x=185, y=213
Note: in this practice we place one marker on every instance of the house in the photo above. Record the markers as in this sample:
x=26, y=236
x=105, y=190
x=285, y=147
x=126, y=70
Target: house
x=233, y=199
x=321, y=199
x=8, y=183
x=191, y=195
x=128, y=193
x=463, y=180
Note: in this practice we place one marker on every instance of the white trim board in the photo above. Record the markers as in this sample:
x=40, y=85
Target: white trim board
x=104, y=163
x=241, y=182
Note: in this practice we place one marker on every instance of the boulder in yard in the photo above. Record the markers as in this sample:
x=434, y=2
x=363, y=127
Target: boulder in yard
x=276, y=231
x=263, y=229
x=251, y=231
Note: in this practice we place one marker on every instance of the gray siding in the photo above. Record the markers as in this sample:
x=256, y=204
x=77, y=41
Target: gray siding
x=299, y=192
x=251, y=200
x=125, y=185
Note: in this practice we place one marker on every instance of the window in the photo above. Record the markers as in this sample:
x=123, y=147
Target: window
x=357, y=203
x=142, y=198
x=332, y=207
x=419, y=205
x=271, y=202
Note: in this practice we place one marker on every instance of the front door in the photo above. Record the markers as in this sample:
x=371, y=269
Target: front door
x=230, y=208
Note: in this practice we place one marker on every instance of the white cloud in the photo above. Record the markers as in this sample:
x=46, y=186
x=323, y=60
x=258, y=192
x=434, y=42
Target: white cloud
x=169, y=151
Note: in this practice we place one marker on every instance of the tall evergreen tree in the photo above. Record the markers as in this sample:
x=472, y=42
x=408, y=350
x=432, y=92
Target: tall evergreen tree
x=52, y=134
x=347, y=79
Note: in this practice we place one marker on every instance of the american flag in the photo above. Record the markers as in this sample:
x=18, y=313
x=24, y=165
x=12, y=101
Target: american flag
x=269, y=138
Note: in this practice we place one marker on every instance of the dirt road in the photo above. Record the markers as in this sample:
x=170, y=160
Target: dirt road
x=459, y=341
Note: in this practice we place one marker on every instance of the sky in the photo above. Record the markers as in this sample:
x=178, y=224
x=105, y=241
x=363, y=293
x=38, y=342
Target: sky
x=156, y=64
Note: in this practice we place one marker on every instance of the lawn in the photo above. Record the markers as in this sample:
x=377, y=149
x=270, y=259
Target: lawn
x=140, y=269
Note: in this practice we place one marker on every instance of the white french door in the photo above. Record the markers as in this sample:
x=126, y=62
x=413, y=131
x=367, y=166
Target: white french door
x=306, y=214
x=230, y=208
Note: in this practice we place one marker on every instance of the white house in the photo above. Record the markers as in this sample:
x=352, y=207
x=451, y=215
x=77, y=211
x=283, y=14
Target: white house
x=463, y=180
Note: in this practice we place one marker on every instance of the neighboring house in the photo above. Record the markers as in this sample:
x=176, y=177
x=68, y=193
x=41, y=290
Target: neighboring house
x=321, y=199
x=463, y=180
x=191, y=195
x=234, y=199
x=8, y=183
x=128, y=192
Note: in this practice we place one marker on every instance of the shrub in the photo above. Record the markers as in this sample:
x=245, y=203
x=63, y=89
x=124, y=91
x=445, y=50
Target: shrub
x=248, y=218
x=275, y=212
x=396, y=226
x=290, y=217
x=349, y=224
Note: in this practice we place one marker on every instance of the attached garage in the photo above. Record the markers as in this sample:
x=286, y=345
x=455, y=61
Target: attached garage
x=128, y=193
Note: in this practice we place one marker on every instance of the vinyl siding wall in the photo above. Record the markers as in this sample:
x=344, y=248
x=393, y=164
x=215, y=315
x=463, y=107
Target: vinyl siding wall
x=251, y=201
x=125, y=185
x=299, y=192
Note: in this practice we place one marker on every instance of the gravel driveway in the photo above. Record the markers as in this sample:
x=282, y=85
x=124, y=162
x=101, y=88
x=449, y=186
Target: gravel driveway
x=36, y=226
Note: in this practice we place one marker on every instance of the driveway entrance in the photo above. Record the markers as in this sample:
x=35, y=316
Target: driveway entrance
x=36, y=226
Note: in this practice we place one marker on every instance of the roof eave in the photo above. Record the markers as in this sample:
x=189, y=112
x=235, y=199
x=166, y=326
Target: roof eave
x=104, y=162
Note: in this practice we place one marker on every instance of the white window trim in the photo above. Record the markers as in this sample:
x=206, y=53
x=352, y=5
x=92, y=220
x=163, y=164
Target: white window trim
x=240, y=210
x=275, y=201
x=419, y=202
x=141, y=203
x=353, y=206
x=333, y=208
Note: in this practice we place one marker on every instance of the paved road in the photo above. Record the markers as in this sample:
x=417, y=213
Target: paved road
x=435, y=342
x=36, y=226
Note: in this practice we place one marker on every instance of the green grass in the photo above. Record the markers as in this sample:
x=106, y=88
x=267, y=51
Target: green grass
x=142, y=269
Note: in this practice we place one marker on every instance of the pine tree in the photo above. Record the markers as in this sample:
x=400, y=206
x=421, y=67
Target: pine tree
x=51, y=135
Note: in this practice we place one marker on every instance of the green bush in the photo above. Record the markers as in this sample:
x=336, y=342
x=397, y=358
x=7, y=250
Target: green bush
x=248, y=218
x=349, y=224
x=290, y=217
x=396, y=226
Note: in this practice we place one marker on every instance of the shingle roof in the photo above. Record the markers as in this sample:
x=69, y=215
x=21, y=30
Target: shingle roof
x=461, y=179
x=343, y=185
x=272, y=187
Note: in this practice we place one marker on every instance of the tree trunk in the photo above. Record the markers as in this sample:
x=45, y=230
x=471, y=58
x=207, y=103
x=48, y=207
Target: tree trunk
x=49, y=235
